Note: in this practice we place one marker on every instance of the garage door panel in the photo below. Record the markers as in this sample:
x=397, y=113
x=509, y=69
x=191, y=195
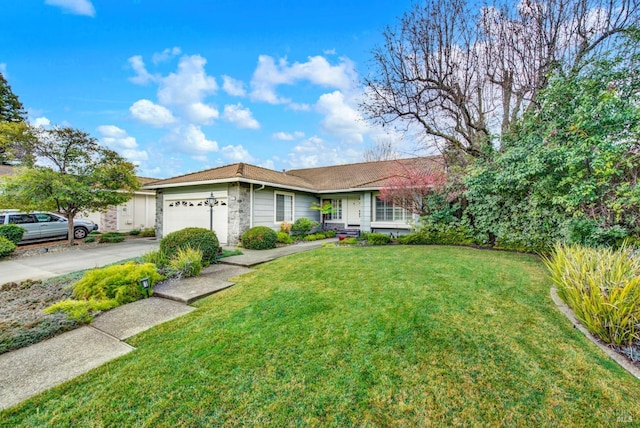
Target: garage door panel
x=183, y=213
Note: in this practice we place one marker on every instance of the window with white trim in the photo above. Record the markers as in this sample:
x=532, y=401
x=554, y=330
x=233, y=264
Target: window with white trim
x=284, y=207
x=387, y=211
x=336, y=205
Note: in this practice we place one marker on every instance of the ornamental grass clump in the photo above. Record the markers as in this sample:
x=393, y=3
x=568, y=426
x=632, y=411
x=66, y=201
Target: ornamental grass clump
x=186, y=262
x=602, y=286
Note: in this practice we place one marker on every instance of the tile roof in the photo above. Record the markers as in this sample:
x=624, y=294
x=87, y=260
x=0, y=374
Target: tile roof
x=322, y=179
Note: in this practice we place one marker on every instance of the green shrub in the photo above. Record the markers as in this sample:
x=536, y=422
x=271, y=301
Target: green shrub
x=197, y=238
x=330, y=233
x=186, y=262
x=111, y=237
x=602, y=286
x=95, y=232
x=106, y=288
x=134, y=232
x=157, y=257
x=259, y=238
x=378, y=239
x=284, y=238
x=148, y=232
x=6, y=247
x=90, y=239
x=303, y=226
x=12, y=232
x=438, y=234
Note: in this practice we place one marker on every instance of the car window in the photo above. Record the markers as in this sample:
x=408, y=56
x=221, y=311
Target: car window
x=22, y=218
x=45, y=218
x=1, y=219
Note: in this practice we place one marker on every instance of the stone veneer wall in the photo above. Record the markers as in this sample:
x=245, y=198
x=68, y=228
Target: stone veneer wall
x=159, y=207
x=239, y=211
x=109, y=220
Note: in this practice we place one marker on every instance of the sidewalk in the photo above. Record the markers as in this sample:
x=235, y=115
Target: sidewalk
x=48, y=265
x=29, y=371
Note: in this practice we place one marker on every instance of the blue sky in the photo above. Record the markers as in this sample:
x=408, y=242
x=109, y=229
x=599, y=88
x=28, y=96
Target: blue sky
x=181, y=86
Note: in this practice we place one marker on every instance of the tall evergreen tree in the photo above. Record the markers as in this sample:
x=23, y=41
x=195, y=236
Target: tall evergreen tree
x=11, y=109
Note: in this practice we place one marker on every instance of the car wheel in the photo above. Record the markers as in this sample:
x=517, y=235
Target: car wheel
x=80, y=233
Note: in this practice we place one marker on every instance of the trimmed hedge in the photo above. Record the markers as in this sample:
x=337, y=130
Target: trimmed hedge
x=197, y=238
x=259, y=238
x=12, y=232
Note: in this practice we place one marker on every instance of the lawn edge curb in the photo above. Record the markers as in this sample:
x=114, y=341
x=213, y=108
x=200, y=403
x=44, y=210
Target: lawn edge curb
x=566, y=310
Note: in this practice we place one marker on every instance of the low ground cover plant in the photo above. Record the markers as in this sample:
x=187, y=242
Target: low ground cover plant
x=197, y=238
x=363, y=336
x=111, y=237
x=602, y=286
x=259, y=238
x=106, y=288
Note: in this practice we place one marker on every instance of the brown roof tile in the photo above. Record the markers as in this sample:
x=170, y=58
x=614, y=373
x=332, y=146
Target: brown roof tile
x=328, y=178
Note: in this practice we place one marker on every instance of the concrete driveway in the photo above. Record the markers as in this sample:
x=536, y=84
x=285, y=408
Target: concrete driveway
x=48, y=265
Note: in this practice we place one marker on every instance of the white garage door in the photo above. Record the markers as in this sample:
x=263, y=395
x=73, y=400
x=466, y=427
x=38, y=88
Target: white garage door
x=181, y=213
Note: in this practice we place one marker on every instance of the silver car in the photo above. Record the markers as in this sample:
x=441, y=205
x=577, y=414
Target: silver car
x=41, y=226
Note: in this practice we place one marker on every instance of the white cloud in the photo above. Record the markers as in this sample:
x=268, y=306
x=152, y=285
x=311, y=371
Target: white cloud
x=153, y=114
x=285, y=136
x=233, y=87
x=329, y=51
x=237, y=154
x=317, y=70
x=190, y=84
x=41, y=122
x=166, y=54
x=117, y=139
x=341, y=119
x=239, y=116
x=75, y=7
x=190, y=139
x=142, y=76
x=201, y=113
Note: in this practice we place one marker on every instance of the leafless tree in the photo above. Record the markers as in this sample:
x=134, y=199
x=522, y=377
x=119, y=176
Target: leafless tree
x=464, y=74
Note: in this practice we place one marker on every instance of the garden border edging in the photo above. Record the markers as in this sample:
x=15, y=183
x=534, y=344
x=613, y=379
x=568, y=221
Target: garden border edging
x=566, y=310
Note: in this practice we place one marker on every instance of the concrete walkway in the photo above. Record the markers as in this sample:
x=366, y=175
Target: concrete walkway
x=48, y=265
x=29, y=371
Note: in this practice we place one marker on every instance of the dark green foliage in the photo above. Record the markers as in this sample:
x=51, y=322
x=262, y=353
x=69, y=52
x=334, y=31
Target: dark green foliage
x=90, y=239
x=6, y=247
x=111, y=237
x=378, y=239
x=197, y=238
x=259, y=238
x=303, y=226
x=587, y=232
x=11, y=109
x=12, y=232
x=438, y=234
x=134, y=232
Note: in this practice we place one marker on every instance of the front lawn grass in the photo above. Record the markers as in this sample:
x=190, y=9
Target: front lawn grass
x=389, y=336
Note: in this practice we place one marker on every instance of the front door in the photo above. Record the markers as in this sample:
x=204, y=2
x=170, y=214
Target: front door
x=353, y=212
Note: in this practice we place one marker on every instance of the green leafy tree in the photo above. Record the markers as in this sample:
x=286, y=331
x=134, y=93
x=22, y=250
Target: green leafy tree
x=575, y=158
x=74, y=174
x=325, y=209
x=16, y=138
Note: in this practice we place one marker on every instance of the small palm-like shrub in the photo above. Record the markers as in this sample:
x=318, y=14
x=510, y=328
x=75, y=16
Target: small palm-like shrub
x=186, y=262
x=378, y=239
x=6, y=247
x=197, y=238
x=259, y=238
x=106, y=288
x=602, y=286
x=284, y=238
x=12, y=232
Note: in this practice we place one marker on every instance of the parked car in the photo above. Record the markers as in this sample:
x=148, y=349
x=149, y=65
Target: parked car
x=41, y=226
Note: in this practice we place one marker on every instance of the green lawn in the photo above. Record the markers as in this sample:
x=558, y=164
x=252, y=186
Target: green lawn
x=400, y=336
